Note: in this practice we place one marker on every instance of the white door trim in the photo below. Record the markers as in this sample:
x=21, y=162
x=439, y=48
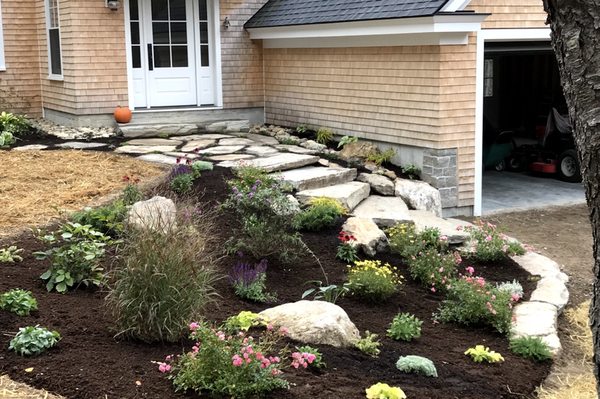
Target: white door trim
x=493, y=35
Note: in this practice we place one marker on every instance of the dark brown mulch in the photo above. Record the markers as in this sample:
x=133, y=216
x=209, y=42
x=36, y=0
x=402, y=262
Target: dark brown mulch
x=89, y=363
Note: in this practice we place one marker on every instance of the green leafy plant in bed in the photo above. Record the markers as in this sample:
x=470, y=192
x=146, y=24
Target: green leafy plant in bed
x=372, y=281
x=322, y=213
x=18, y=301
x=11, y=254
x=531, y=348
x=347, y=249
x=11, y=127
x=405, y=327
x=329, y=293
x=369, y=344
x=384, y=391
x=381, y=157
x=480, y=354
x=433, y=269
x=413, y=172
x=489, y=244
x=407, y=242
x=75, y=258
x=347, y=140
x=33, y=340
x=416, y=365
x=324, y=136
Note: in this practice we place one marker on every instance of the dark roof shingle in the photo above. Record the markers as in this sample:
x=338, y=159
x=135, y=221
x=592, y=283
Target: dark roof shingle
x=303, y=12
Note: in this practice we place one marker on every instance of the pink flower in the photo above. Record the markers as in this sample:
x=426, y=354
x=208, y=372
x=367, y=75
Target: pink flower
x=275, y=372
x=488, y=238
x=283, y=331
x=164, y=367
x=444, y=238
x=310, y=357
x=432, y=289
x=194, y=326
x=470, y=270
x=441, y=270
x=515, y=297
x=459, y=228
x=270, y=327
x=236, y=361
x=195, y=349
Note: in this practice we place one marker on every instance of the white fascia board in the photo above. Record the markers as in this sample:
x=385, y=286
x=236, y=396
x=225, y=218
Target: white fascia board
x=401, y=26
x=411, y=39
x=503, y=35
x=455, y=5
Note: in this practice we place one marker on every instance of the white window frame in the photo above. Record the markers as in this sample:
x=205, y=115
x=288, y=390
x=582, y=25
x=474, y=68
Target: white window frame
x=2, y=59
x=53, y=76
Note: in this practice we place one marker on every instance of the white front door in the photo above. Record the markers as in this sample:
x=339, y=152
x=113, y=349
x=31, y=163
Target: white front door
x=172, y=53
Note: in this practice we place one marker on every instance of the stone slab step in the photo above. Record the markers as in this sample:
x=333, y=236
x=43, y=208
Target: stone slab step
x=384, y=211
x=312, y=177
x=349, y=194
x=275, y=163
x=158, y=130
x=426, y=219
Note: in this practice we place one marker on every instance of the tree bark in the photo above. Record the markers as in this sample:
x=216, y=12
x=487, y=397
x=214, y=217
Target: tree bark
x=575, y=26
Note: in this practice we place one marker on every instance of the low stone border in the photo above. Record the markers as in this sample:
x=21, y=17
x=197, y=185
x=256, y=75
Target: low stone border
x=538, y=317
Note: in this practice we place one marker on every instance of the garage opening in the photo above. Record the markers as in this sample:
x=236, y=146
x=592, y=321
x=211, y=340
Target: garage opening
x=529, y=156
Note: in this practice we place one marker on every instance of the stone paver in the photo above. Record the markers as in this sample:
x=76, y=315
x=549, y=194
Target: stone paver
x=419, y=195
x=153, y=142
x=384, y=211
x=227, y=158
x=159, y=158
x=553, y=291
x=295, y=149
x=182, y=155
x=221, y=150
x=192, y=145
x=229, y=126
x=277, y=162
x=30, y=147
x=261, y=151
x=536, y=319
x=79, y=145
x=425, y=219
x=259, y=138
x=380, y=184
x=540, y=265
x=142, y=149
x=316, y=177
x=158, y=130
x=349, y=194
x=236, y=141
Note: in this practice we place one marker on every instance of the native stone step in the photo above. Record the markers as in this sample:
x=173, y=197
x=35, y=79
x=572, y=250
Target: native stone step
x=426, y=219
x=384, y=211
x=312, y=177
x=275, y=163
x=158, y=130
x=349, y=194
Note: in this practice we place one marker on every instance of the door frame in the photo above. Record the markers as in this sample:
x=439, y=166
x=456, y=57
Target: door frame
x=483, y=36
x=216, y=56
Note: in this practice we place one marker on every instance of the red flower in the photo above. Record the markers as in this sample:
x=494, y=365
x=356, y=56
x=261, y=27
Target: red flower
x=178, y=160
x=345, y=237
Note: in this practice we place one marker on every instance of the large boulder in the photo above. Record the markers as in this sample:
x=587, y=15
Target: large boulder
x=357, y=151
x=314, y=322
x=157, y=213
x=369, y=237
x=379, y=183
x=419, y=195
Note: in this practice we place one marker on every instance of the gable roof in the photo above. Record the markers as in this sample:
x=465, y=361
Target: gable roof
x=304, y=12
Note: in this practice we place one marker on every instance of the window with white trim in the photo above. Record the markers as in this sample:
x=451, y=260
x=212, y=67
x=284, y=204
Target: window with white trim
x=2, y=62
x=53, y=35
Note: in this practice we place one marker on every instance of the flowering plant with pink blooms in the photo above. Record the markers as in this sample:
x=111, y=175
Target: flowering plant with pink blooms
x=471, y=300
x=230, y=364
x=489, y=244
x=433, y=269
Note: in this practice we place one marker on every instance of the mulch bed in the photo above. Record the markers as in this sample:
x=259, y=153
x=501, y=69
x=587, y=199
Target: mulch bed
x=89, y=363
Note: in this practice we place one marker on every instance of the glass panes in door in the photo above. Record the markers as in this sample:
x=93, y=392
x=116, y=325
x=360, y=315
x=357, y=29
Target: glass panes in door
x=169, y=33
x=203, y=26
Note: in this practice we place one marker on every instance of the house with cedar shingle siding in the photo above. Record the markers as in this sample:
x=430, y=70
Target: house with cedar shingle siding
x=416, y=75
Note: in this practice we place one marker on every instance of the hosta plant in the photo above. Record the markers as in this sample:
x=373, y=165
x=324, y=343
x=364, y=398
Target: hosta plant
x=417, y=365
x=481, y=353
x=329, y=293
x=531, y=348
x=31, y=341
x=347, y=140
x=18, y=301
x=384, y=391
x=405, y=327
x=11, y=254
x=369, y=344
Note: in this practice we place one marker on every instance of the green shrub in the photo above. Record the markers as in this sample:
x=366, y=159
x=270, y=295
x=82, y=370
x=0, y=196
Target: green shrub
x=531, y=348
x=201, y=166
x=405, y=327
x=183, y=183
x=473, y=301
x=108, y=219
x=489, y=244
x=13, y=124
x=369, y=344
x=163, y=278
x=412, y=171
x=76, y=259
x=249, y=281
x=18, y=301
x=405, y=241
x=481, y=353
x=324, y=136
x=217, y=364
x=31, y=341
x=7, y=139
x=11, y=254
x=243, y=321
x=433, y=269
x=347, y=140
x=321, y=214
x=330, y=293
x=265, y=213
x=417, y=365
x=318, y=362
x=301, y=129
x=379, y=157
x=372, y=281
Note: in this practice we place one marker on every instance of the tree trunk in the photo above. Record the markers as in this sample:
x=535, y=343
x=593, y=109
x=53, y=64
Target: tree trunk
x=575, y=26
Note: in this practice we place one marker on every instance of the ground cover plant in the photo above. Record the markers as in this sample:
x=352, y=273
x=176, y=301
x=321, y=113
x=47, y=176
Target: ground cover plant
x=10, y=254
x=18, y=301
x=416, y=364
x=405, y=327
x=125, y=366
x=321, y=213
x=531, y=347
x=33, y=340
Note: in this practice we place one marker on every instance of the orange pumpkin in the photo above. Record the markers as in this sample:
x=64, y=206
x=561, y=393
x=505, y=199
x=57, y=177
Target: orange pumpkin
x=122, y=114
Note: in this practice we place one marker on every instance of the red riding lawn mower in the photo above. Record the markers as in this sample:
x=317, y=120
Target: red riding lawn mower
x=554, y=154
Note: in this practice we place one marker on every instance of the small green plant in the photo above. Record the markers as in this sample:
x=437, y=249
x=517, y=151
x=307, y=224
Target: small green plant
x=531, y=348
x=318, y=362
x=201, y=166
x=481, y=353
x=384, y=391
x=412, y=171
x=347, y=140
x=7, y=139
x=407, y=242
x=322, y=213
x=16, y=125
x=324, y=136
x=11, y=254
x=379, y=157
x=489, y=244
x=249, y=281
x=244, y=320
x=131, y=192
x=108, y=219
x=31, y=341
x=433, y=269
x=405, y=327
x=347, y=250
x=301, y=129
x=417, y=365
x=514, y=288
x=18, y=301
x=330, y=293
x=183, y=183
x=372, y=281
x=369, y=344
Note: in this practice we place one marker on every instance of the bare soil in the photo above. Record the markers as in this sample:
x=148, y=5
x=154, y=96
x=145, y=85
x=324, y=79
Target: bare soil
x=90, y=363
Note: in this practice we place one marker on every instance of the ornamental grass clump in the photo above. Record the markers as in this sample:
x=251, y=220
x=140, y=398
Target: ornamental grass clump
x=163, y=277
x=405, y=327
x=489, y=244
x=531, y=348
x=19, y=302
x=265, y=214
x=372, y=281
x=249, y=281
x=322, y=213
x=472, y=301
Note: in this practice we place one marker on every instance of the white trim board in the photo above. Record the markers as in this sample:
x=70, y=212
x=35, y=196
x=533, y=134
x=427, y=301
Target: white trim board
x=2, y=59
x=413, y=39
x=493, y=35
